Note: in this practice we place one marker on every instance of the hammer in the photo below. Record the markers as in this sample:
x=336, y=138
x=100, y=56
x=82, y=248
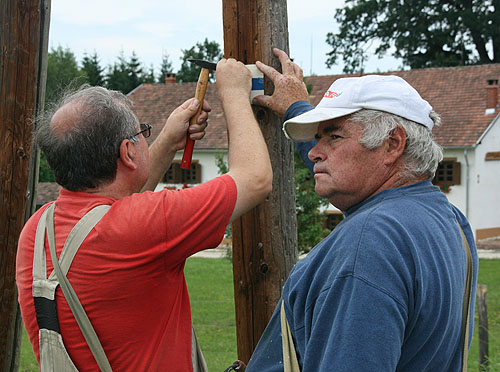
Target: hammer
x=201, y=88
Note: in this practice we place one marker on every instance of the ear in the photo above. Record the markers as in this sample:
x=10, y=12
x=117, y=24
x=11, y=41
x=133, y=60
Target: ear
x=128, y=152
x=395, y=145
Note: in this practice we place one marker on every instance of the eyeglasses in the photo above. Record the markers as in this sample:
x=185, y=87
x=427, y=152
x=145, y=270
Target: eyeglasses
x=145, y=130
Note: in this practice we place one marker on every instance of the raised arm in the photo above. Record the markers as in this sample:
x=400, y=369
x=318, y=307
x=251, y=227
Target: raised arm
x=173, y=138
x=249, y=163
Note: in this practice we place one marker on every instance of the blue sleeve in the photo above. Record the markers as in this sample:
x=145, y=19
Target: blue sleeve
x=303, y=148
x=357, y=327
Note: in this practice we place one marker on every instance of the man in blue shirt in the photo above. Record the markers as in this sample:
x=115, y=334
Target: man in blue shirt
x=384, y=291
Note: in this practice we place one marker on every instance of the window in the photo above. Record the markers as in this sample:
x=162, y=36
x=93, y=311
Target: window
x=447, y=173
x=176, y=174
x=333, y=219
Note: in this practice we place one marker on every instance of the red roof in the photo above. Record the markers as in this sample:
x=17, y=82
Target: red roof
x=153, y=103
x=458, y=94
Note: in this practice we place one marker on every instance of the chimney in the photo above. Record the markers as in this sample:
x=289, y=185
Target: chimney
x=170, y=78
x=491, y=94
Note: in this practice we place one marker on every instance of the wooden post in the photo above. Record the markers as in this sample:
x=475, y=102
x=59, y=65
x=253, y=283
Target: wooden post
x=23, y=55
x=265, y=239
x=482, y=311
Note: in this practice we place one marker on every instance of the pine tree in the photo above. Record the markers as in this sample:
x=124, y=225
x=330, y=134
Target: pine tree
x=135, y=72
x=91, y=66
x=165, y=68
x=148, y=76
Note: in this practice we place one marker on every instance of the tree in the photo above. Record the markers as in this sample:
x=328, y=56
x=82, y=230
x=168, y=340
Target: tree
x=45, y=174
x=165, y=68
x=91, y=66
x=148, y=76
x=208, y=51
x=124, y=75
x=117, y=75
x=135, y=72
x=424, y=33
x=310, y=222
x=62, y=71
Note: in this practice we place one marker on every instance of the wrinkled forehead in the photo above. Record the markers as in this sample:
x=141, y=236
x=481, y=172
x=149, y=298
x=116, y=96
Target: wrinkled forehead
x=342, y=123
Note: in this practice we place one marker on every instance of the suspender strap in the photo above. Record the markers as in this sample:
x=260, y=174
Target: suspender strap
x=466, y=301
x=76, y=237
x=42, y=287
x=290, y=362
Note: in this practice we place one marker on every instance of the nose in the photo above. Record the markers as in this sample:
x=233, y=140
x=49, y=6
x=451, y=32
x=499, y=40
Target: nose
x=315, y=154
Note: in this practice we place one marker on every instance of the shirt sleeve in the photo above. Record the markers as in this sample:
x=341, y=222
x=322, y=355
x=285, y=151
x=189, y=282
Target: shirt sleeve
x=356, y=327
x=303, y=148
x=196, y=218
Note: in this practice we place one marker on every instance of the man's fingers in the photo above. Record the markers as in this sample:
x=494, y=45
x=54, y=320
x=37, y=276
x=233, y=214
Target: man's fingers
x=206, y=106
x=270, y=72
x=286, y=63
x=203, y=117
x=298, y=71
x=262, y=100
x=197, y=131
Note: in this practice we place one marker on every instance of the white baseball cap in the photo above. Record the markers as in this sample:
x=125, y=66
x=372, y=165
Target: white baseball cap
x=345, y=96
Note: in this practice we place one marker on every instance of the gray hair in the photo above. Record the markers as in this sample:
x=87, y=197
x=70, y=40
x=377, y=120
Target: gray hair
x=84, y=154
x=421, y=155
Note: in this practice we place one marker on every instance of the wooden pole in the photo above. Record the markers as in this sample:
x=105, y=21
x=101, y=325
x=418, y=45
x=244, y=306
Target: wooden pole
x=482, y=311
x=265, y=239
x=23, y=56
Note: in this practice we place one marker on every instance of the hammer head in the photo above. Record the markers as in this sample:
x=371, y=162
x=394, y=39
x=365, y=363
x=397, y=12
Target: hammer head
x=204, y=64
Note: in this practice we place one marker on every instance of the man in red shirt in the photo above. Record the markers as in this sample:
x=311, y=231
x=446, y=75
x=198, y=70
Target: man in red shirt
x=129, y=271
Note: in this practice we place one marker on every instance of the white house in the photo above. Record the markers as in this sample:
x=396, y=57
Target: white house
x=466, y=97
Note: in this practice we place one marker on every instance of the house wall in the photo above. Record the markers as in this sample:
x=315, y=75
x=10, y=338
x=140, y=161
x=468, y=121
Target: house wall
x=483, y=210
x=486, y=185
x=458, y=194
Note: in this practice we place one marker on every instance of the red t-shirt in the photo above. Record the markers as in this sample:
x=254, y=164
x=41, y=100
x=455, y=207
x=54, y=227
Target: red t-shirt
x=129, y=272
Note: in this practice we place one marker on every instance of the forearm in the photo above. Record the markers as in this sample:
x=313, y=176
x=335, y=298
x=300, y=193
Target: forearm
x=161, y=154
x=248, y=157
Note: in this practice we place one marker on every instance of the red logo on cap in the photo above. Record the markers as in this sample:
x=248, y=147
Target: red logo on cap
x=330, y=94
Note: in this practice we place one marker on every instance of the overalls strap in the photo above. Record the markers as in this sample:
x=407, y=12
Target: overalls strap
x=53, y=355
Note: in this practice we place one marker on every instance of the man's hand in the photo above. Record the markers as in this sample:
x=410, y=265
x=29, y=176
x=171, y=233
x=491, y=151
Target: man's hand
x=289, y=87
x=234, y=80
x=173, y=137
x=177, y=125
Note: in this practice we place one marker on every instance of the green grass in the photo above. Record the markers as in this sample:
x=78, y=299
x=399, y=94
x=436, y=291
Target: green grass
x=210, y=284
x=28, y=361
x=489, y=274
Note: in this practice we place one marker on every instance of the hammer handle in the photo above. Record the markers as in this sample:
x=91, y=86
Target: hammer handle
x=201, y=89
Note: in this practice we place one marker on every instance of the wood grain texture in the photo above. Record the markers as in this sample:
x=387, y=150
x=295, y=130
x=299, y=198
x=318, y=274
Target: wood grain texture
x=23, y=33
x=264, y=239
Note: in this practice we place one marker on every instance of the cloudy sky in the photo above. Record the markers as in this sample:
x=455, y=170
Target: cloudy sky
x=153, y=27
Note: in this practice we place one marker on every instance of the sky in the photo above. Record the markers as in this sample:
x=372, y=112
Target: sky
x=151, y=28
